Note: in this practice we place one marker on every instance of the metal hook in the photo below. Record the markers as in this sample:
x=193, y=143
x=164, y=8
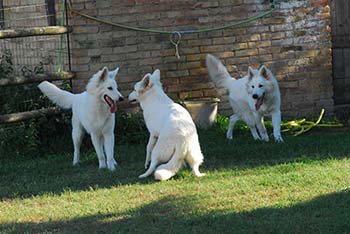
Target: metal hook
x=175, y=39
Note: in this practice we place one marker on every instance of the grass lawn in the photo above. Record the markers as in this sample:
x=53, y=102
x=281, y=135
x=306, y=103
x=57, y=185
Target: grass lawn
x=300, y=186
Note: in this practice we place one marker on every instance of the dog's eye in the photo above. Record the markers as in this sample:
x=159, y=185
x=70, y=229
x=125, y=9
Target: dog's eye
x=260, y=86
x=110, y=88
x=253, y=86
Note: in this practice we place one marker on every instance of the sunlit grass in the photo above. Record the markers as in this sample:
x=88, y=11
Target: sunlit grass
x=300, y=186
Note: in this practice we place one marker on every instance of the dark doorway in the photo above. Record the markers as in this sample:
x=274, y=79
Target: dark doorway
x=340, y=10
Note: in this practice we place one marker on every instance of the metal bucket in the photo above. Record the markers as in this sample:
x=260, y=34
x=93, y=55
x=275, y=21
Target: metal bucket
x=203, y=111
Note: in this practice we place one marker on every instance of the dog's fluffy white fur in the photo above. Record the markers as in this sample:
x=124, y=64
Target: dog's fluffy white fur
x=173, y=135
x=93, y=112
x=252, y=97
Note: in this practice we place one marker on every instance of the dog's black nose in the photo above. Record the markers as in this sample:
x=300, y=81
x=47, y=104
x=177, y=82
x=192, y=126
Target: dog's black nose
x=121, y=99
x=255, y=96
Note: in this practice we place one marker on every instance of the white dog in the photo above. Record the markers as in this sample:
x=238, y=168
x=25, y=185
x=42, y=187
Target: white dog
x=93, y=111
x=254, y=96
x=173, y=135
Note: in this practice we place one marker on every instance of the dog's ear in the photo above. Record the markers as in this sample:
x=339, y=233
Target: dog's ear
x=265, y=72
x=156, y=75
x=114, y=73
x=102, y=76
x=250, y=73
x=146, y=81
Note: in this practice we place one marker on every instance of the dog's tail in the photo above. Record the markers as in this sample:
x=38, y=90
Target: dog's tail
x=218, y=73
x=58, y=96
x=169, y=169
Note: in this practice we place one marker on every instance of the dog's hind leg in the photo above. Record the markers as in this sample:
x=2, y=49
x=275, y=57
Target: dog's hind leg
x=261, y=128
x=254, y=133
x=77, y=136
x=250, y=120
x=109, y=149
x=98, y=145
x=276, y=123
x=233, y=119
x=195, y=159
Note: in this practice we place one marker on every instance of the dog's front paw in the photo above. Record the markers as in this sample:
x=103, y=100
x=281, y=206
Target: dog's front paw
x=102, y=164
x=257, y=138
x=111, y=165
x=279, y=139
x=266, y=139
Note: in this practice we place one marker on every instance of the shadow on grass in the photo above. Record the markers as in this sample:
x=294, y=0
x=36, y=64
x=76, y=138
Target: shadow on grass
x=53, y=173
x=325, y=214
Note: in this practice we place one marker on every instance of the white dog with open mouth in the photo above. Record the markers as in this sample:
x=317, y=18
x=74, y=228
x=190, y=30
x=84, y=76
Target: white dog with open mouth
x=173, y=135
x=252, y=97
x=93, y=112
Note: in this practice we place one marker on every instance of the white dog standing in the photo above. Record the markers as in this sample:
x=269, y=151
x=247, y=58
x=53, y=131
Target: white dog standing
x=173, y=135
x=252, y=97
x=93, y=112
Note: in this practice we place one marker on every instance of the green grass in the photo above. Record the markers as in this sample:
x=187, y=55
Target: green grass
x=300, y=186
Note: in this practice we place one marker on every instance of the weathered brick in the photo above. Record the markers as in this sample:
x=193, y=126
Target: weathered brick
x=86, y=29
x=198, y=71
x=238, y=46
x=189, y=65
x=207, y=49
x=259, y=44
x=210, y=93
x=196, y=57
x=177, y=73
x=191, y=95
x=248, y=52
x=294, y=43
x=124, y=49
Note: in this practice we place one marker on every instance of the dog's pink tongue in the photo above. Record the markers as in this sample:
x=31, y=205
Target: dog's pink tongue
x=258, y=104
x=113, y=108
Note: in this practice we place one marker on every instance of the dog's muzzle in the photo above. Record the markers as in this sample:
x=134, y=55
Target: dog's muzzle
x=259, y=101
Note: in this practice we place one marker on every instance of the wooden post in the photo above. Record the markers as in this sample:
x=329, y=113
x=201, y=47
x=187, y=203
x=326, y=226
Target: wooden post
x=51, y=12
x=2, y=15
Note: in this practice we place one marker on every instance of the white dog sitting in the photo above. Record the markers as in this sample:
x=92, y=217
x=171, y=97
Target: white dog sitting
x=173, y=135
x=93, y=111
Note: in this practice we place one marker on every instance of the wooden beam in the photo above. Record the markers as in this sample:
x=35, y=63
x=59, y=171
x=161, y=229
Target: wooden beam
x=37, y=78
x=37, y=31
x=21, y=116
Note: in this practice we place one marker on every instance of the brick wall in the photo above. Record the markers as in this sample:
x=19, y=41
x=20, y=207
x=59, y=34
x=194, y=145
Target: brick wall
x=294, y=43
